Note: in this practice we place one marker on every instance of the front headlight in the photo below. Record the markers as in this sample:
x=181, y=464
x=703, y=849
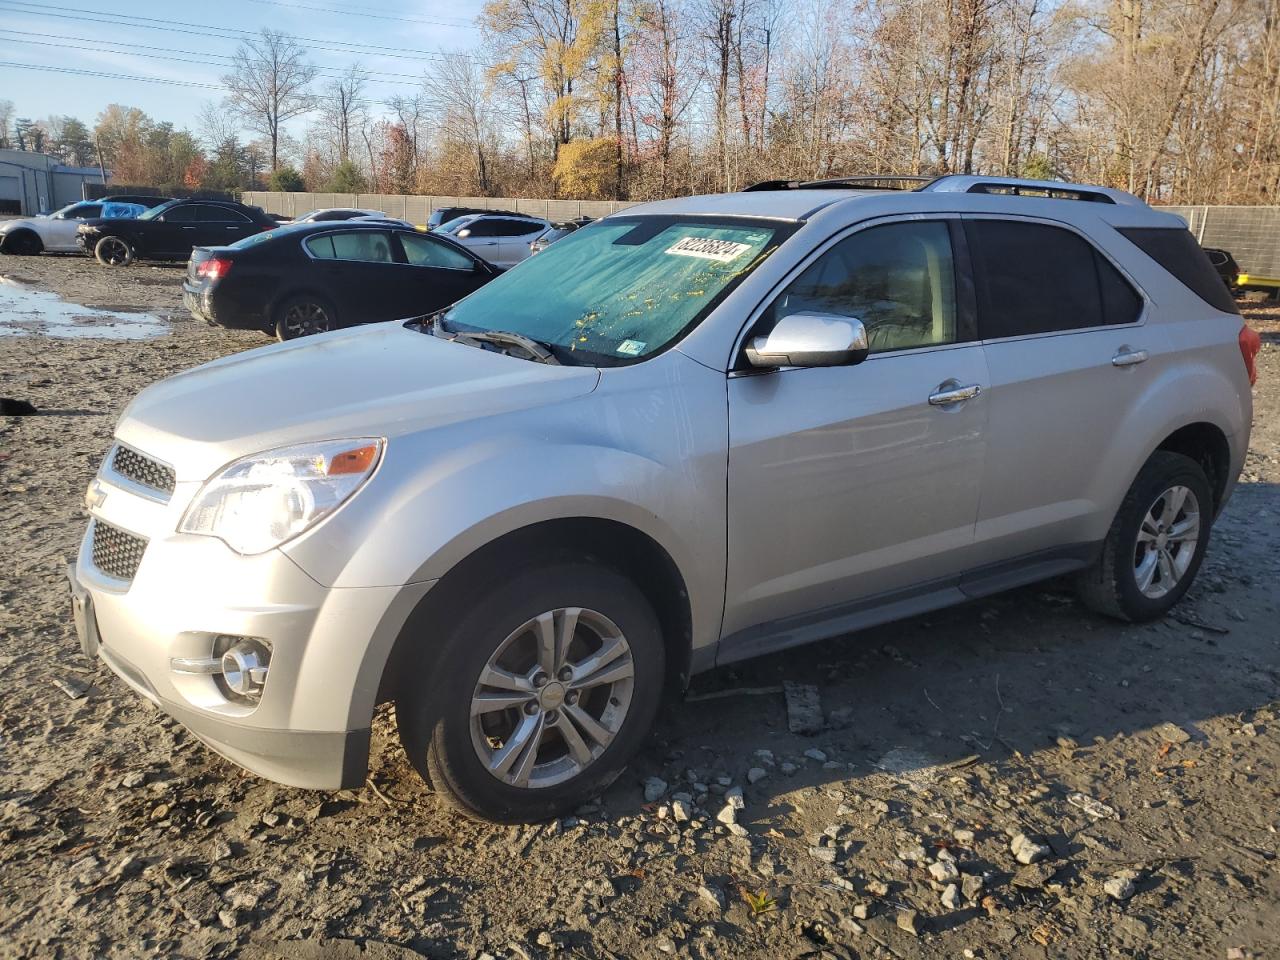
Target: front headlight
x=263, y=500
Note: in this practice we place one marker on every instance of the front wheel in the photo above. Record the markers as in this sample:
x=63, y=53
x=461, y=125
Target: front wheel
x=1155, y=544
x=538, y=695
x=113, y=252
x=303, y=316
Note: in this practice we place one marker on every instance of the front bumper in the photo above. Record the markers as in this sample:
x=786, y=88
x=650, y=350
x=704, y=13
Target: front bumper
x=300, y=758
x=328, y=645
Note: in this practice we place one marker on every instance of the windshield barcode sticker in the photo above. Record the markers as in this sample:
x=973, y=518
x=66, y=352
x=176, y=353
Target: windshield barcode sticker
x=707, y=249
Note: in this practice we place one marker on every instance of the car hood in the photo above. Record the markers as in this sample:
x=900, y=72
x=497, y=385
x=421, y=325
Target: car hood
x=380, y=380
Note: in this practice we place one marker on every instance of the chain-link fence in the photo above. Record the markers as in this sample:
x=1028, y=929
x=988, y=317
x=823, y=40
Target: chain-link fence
x=1251, y=234
x=416, y=209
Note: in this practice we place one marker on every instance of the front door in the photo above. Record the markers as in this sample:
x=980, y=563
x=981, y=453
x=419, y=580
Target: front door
x=436, y=275
x=850, y=484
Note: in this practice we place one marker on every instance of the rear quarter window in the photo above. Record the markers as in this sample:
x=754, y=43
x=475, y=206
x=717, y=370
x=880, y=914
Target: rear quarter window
x=1176, y=250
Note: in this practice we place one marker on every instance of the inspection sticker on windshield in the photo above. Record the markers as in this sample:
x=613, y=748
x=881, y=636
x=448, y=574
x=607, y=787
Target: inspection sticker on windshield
x=705, y=248
x=630, y=348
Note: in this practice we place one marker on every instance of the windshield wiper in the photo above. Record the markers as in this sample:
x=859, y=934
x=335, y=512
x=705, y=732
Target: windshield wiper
x=538, y=349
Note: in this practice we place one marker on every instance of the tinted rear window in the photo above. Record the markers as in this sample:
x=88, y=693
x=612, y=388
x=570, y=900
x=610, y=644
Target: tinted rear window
x=1035, y=278
x=1176, y=250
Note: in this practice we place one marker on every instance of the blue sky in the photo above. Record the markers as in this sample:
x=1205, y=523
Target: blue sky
x=113, y=38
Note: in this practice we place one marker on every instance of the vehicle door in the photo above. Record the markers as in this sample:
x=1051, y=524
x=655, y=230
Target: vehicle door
x=514, y=239
x=218, y=226
x=436, y=274
x=848, y=485
x=173, y=233
x=357, y=271
x=1066, y=345
x=483, y=236
x=60, y=231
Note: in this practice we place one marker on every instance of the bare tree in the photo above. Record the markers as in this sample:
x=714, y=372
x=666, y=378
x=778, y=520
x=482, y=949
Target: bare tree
x=270, y=85
x=342, y=111
x=465, y=114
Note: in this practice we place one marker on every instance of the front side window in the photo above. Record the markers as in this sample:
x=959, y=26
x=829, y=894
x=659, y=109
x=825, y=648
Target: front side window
x=622, y=289
x=898, y=279
x=422, y=251
x=88, y=211
x=183, y=214
x=1035, y=278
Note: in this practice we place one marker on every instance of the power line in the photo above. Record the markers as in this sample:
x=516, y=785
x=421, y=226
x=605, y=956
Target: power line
x=462, y=23
x=335, y=71
x=221, y=33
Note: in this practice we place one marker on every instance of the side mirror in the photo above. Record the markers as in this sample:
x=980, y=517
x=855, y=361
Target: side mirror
x=810, y=340
x=463, y=234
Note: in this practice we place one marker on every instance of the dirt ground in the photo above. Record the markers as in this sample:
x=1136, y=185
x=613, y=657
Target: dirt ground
x=1140, y=762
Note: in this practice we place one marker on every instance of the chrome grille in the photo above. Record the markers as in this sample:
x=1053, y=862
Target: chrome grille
x=116, y=552
x=143, y=470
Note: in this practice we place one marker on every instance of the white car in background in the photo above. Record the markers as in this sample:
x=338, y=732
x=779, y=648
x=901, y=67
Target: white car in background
x=501, y=240
x=56, y=232
x=337, y=213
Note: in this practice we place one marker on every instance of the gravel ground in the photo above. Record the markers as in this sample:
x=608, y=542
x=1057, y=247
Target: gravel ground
x=1138, y=764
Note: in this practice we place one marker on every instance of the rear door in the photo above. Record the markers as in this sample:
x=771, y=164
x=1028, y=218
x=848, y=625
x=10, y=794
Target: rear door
x=219, y=226
x=514, y=239
x=436, y=274
x=1069, y=353
x=357, y=270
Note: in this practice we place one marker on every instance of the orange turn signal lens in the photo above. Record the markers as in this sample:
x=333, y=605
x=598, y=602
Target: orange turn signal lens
x=358, y=460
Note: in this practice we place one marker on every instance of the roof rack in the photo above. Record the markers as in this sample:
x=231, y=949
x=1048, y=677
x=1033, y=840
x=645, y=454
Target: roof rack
x=1040, y=189
x=885, y=181
x=960, y=183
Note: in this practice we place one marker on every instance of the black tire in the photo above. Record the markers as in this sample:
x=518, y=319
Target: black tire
x=114, y=252
x=304, y=315
x=433, y=710
x=23, y=243
x=1111, y=585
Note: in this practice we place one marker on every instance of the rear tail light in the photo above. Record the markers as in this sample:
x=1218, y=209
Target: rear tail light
x=215, y=268
x=1250, y=345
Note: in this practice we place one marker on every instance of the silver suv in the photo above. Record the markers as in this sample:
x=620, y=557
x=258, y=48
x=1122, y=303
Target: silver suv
x=697, y=431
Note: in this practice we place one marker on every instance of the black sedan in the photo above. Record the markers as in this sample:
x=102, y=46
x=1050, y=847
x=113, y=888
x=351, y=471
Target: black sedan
x=169, y=231
x=310, y=277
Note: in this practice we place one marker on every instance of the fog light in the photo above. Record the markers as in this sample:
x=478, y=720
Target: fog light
x=244, y=668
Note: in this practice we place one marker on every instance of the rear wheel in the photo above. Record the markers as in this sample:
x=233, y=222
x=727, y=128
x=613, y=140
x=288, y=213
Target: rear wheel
x=303, y=316
x=24, y=243
x=539, y=694
x=114, y=252
x=1156, y=542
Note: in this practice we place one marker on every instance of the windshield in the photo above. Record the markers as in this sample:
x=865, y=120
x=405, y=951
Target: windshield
x=157, y=211
x=622, y=289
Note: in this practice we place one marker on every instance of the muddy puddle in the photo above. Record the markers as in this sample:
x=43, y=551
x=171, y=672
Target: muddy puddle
x=26, y=311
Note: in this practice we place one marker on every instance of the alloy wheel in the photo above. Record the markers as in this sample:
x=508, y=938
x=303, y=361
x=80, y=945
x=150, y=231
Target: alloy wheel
x=552, y=697
x=305, y=318
x=114, y=251
x=1166, y=542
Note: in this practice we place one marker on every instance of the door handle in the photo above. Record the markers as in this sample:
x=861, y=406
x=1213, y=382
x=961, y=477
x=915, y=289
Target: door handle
x=1127, y=357
x=943, y=398
x=188, y=228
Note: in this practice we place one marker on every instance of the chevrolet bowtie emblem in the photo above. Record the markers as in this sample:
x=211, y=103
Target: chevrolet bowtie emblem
x=94, y=495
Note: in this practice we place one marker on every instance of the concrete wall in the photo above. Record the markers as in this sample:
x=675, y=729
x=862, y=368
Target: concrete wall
x=1252, y=234
x=416, y=209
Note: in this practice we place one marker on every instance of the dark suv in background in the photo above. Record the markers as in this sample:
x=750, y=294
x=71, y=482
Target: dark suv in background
x=169, y=231
x=445, y=214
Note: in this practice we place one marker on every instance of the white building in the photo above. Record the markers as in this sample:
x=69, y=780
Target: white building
x=32, y=183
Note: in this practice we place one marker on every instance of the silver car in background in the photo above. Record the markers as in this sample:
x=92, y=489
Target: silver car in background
x=693, y=432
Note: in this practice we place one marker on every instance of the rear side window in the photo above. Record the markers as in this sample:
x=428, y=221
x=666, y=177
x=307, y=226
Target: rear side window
x=208, y=213
x=1034, y=278
x=1176, y=250
x=517, y=228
